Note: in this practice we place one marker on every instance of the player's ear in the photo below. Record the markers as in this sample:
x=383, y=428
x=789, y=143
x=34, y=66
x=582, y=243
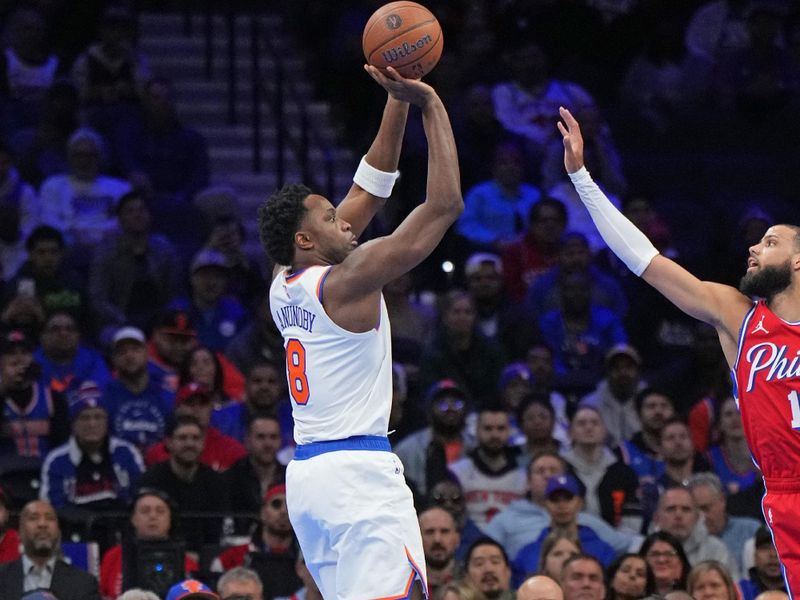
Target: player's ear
x=302, y=240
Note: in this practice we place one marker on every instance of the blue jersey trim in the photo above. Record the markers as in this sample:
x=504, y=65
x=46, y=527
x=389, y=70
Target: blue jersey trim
x=742, y=333
x=373, y=443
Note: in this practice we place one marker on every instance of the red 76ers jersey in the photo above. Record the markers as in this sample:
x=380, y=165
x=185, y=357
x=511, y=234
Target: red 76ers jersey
x=767, y=388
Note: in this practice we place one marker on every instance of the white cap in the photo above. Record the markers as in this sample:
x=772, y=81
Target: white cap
x=128, y=333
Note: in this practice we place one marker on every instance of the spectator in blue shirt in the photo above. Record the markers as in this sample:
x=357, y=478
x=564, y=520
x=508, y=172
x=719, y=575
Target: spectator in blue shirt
x=138, y=405
x=66, y=363
x=217, y=316
x=580, y=333
x=496, y=211
x=766, y=574
x=265, y=392
x=563, y=501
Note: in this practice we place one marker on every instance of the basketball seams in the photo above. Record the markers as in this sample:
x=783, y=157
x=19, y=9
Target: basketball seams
x=381, y=14
x=406, y=32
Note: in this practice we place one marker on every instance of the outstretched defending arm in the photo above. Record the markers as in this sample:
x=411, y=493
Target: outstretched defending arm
x=378, y=169
x=719, y=305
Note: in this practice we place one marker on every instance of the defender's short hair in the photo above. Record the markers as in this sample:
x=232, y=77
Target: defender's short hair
x=279, y=218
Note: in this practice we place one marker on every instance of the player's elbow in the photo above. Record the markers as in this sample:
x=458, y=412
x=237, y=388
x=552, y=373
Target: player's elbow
x=451, y=205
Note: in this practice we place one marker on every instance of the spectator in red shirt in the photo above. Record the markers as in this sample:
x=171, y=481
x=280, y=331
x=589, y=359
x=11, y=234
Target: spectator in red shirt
x=537, y=250
x=151, y=519
x=9, y=539
x=219, y=450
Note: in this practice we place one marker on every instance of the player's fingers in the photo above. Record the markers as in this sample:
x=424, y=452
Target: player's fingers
x=568, y=118
x=562, y=129
x=394, y=74
x=372, y=71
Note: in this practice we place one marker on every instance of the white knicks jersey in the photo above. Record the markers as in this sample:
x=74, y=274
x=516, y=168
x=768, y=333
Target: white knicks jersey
x=340, y=382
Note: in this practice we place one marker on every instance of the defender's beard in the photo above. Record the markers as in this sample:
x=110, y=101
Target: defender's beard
x=767, y=282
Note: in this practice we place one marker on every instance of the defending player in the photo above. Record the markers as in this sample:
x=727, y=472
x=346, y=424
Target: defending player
x=347, y=498
x=761, y=340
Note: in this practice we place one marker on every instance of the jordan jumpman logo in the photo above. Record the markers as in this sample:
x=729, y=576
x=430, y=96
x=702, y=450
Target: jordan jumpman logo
x=760, y=326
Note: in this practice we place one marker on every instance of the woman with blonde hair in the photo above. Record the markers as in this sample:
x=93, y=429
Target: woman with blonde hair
x=710, y=580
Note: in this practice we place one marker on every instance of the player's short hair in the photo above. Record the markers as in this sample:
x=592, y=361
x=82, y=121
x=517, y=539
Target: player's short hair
x=279, y=217
x=796, y=229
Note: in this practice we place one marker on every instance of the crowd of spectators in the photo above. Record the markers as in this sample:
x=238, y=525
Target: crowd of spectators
x=564, y=429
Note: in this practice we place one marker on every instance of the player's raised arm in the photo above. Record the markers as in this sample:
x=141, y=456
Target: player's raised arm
x=379, y=261
x=377, y=172
x=716, y=304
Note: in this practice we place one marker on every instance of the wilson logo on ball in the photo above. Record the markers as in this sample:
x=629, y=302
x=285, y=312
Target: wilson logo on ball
x=393, y=21
x=393, y=54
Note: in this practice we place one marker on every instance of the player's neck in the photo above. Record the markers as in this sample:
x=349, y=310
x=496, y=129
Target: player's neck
x=306, y=260
x=786, y=304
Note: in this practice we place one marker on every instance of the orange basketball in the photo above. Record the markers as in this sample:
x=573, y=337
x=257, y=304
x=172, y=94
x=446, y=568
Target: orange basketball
x=403, y=35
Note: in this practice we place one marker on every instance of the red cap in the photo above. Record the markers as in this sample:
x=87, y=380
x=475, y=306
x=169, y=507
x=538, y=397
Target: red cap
x=275, y=490
x=190, y=390
x=177, y=322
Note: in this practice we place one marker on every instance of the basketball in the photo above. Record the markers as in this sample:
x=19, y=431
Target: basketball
x=403, y=35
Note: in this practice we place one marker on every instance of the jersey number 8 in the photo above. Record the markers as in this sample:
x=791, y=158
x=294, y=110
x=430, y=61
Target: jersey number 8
x=296, y=368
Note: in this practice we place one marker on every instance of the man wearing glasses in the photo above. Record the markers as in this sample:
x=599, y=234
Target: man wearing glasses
x=426, y=453
x=678, y=515
x=272, y=551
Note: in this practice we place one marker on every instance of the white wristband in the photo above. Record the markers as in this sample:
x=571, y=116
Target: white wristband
x=376, y=182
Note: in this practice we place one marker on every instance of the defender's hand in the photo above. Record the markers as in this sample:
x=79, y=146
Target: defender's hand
x=401, y=88
x=573, y=141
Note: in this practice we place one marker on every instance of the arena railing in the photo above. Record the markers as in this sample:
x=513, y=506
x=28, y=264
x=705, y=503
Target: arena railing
x=281, y=91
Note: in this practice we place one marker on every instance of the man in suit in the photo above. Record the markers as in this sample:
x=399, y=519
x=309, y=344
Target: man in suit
x=40, y=566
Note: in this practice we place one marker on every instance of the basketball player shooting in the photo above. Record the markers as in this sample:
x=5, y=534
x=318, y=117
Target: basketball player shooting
x=347, y=498
x=760, y=340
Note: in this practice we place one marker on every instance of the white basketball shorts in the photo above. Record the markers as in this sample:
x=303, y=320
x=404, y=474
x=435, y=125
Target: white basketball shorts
x=354, y=517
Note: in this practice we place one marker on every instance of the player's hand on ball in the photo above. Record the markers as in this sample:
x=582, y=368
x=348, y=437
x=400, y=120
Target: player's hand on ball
x=573, y=141
x=401, y=88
